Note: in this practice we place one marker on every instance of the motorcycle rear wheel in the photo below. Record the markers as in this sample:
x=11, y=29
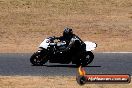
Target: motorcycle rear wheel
x=85, y=61
x=37, y=59
x=89, y=57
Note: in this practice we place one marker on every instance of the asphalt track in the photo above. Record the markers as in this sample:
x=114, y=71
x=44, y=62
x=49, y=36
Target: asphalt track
x=104, y=63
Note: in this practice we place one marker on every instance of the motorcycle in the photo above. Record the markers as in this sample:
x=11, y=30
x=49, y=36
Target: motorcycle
x=51, y=49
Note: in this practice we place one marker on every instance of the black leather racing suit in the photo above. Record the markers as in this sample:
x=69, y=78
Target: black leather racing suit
x=70, y=41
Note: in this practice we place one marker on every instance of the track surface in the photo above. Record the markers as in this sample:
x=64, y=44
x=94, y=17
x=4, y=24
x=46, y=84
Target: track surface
x=104, y=63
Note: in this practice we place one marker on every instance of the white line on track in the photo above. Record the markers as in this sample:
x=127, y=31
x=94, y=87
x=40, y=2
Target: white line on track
x=114, y=52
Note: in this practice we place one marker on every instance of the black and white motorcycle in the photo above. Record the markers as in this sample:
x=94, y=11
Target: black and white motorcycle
x=51, y=49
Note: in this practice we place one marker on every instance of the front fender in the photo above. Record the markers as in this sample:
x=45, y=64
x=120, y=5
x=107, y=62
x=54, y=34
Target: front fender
x=42, y=51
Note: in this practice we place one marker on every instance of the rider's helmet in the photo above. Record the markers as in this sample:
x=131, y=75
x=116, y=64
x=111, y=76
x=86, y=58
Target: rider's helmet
x=67, y=32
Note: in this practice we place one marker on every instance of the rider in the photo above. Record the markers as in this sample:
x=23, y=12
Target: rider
x=67, y=35
x=69, y=38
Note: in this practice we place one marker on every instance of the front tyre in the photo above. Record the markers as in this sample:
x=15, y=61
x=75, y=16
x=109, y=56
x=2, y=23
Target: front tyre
x=37, y=59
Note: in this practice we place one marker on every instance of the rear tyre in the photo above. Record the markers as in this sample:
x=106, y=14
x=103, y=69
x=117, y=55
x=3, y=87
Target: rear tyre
x=89, y=58
x=38, y=60
x=85, y=61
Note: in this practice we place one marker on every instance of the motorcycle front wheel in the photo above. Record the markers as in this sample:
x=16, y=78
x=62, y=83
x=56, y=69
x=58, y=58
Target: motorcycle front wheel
x=38, y=60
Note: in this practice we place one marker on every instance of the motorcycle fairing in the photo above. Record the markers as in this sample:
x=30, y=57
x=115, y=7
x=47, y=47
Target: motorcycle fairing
x=90, y=45
x=45, y=44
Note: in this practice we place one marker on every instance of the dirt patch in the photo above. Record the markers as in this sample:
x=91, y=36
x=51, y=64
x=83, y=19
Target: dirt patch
x=50, y=82
x=25, y=23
